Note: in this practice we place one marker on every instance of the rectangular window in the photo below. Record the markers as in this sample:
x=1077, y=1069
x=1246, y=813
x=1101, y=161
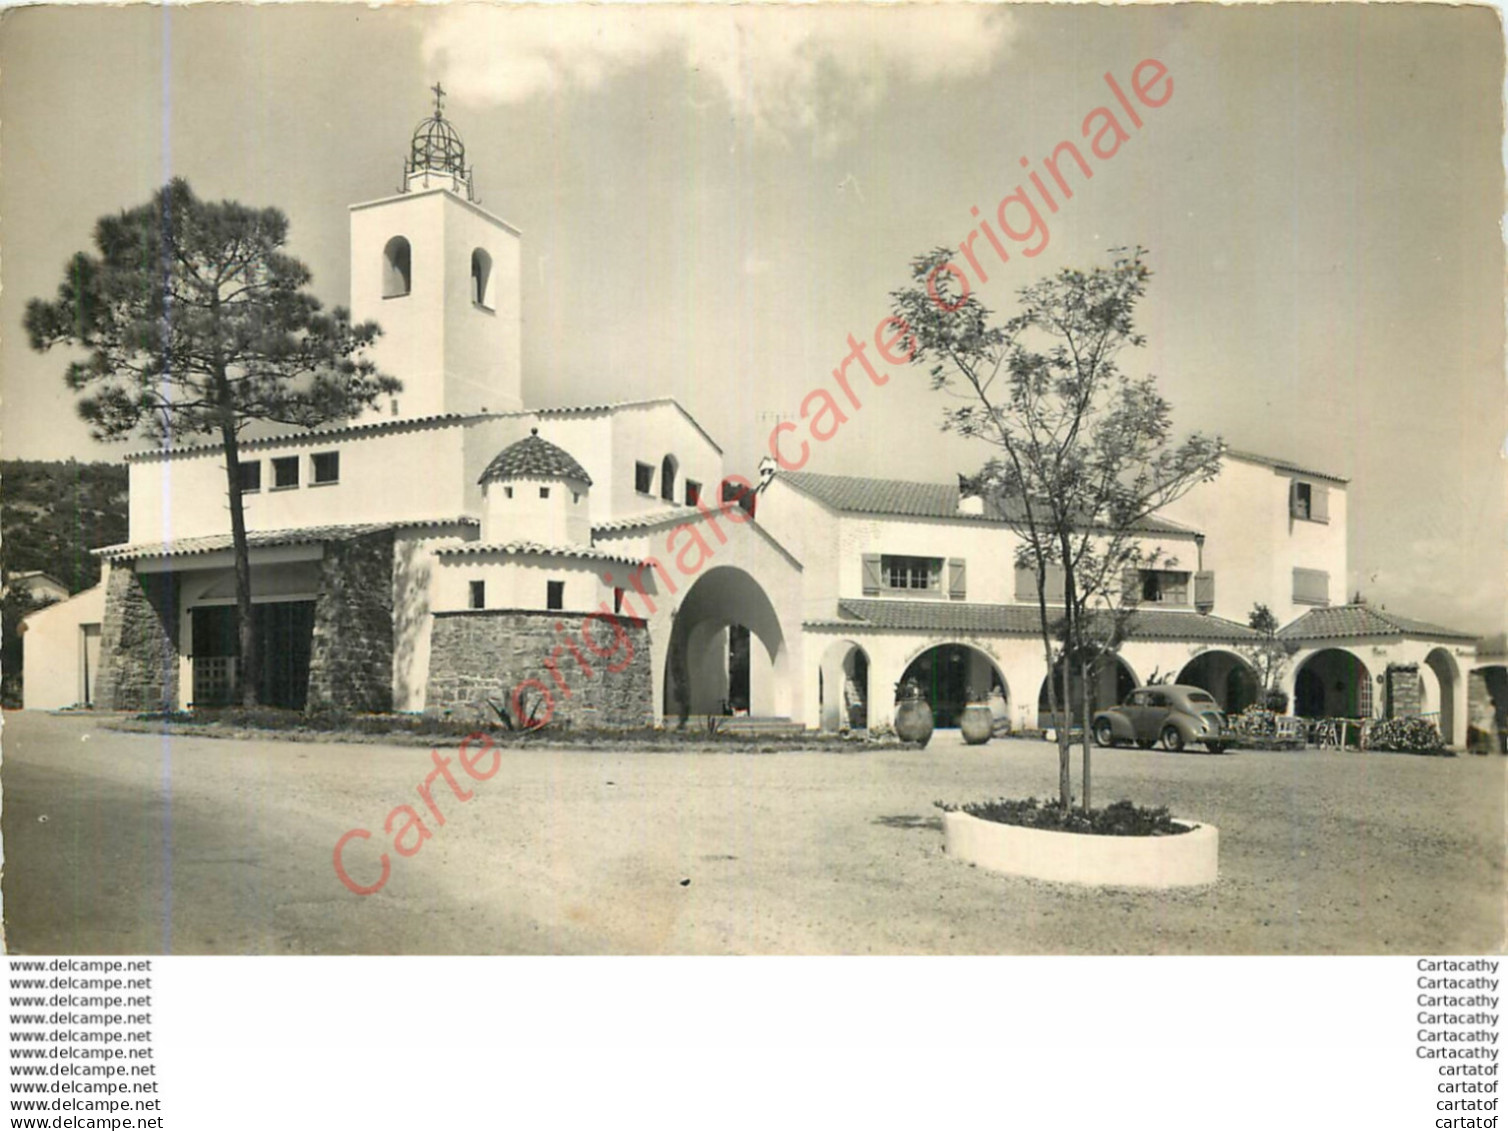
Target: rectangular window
x=251, y=476
x=644, y=478
x=544, y=492
x=911, y=574
x=507, y=492
x=478, y=594
x=285, y=472
x=555, y=594
x=1164, y=587
x=693, y=492
x=1311, y=587
x=617, y=600
x=326, y=467
x=1309, y=502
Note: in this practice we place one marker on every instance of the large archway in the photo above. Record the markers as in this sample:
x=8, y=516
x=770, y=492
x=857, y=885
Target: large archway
x=843, y=686
x=1229, y=678
x=1447, y=677
x=1109, y=685
x=950, y=675
x=1332, y=684
x=727, y=650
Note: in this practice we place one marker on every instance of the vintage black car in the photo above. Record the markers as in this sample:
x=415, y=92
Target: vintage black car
x=1175, y=714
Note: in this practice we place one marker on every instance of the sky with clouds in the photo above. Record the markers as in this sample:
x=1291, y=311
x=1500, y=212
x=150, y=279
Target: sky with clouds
x=713, y=198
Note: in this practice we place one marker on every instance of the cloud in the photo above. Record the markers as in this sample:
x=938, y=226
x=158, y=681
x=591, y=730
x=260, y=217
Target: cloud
x=785, y=70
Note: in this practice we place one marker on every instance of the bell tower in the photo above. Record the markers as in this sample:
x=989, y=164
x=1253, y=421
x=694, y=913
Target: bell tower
x=440, y=275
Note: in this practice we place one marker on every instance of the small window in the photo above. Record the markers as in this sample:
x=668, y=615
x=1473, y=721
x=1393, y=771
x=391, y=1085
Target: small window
x=507, y=492
x=478, y=594
x=1164, y=587
x=668, y=468
x=1158, y=699
x=397, y=274
x=544, y=492
x=617, y=600
x=251, y=476
x=1303, y=500
x=555, y=594
x=326, y=467
x=644, y=478
x=693, y=492
x=575, y=497
x=911, y=574
x=481, y=276
x=285, y=472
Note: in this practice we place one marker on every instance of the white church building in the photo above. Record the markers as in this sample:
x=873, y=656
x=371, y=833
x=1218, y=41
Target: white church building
x=459, y=551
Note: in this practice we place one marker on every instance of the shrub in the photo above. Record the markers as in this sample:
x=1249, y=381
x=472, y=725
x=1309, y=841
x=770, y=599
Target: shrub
x=1408, y=735
x=1276, y=701
x=1121, y=819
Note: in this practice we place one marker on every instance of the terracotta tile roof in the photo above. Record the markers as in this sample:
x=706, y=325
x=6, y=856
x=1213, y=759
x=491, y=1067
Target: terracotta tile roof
x=471, y=549
x=320, y=435
x=306, y=535
x=1021, y=620
x=648, y=521
x=534, y=458
x=1339, y=622
x=1284, y=466
x=613, y=406
x=855, y=495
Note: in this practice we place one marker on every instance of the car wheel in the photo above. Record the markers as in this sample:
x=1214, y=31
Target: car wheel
x=1104, y=733
x=1172, y=739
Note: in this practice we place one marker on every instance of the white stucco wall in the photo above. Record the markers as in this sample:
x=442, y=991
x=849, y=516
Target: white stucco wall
x=1253, y=545
x=56, y=646
x=450, y=354
x=411, y=473
x=515, y=510
x=519, y=582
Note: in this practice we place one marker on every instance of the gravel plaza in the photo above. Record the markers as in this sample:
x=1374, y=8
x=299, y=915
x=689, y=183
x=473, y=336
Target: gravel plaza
x=134, y=843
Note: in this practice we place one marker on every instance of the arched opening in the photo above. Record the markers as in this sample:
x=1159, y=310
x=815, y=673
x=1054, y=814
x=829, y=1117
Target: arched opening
x=1226, y=676
x=843, y=687
x=952, y=675
x=1332, y=684
x=397, y=268
x=1447, y=675
x=1109, y=684
x=668, y=468
x=727, y=651
x=481, y=278
x=1488, y=704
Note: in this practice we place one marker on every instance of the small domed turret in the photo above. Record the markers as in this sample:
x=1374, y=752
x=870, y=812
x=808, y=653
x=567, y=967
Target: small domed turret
x=534, y=491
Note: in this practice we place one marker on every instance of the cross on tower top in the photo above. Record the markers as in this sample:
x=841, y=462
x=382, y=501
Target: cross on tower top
x=439, y=99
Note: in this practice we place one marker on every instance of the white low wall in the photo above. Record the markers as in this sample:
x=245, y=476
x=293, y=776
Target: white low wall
x=1185, y=860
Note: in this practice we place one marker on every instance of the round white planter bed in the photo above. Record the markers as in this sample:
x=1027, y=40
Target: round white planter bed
x=1185, y=860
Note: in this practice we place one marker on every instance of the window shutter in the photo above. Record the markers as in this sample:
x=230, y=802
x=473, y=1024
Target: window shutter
x=871, y=574
x=1026, y=585
x=1055, y=584
x=1204, y=590
x=1311, y=586
x=1293, y=499
x=1130, y=586
x=956, y=581
x=1319, y=497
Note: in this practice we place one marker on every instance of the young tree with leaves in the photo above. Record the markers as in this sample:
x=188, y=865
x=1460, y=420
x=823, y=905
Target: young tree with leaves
x=1085, y=452
x=1270, y=655
x=195, y=323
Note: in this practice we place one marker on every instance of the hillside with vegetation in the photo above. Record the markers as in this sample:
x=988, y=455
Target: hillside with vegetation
x=53, y=513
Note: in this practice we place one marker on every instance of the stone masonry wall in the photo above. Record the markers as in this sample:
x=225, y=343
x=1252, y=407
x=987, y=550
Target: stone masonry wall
x=138, y=642
x=1407, y=696
x=496, y=654
x=351, y=664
